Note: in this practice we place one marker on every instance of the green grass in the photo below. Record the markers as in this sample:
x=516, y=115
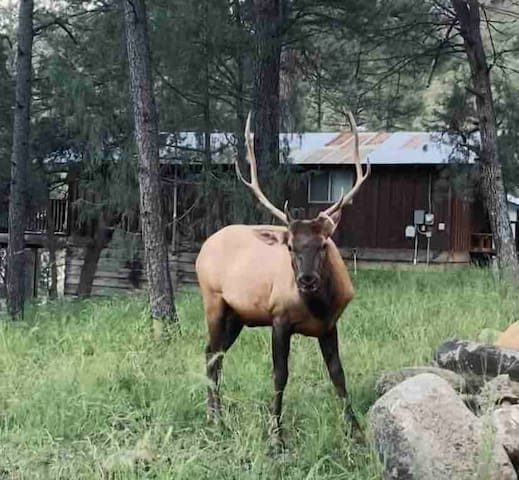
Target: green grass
x=81, y=381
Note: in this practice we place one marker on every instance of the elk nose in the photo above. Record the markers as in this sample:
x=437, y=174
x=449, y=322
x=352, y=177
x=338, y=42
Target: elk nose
x=309, y=282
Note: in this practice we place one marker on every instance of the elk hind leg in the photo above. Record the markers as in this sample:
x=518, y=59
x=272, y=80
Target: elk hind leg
x=223, y=327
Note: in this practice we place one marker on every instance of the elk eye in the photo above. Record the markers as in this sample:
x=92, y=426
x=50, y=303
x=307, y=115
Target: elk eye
x=323, y=246
x=289, y=248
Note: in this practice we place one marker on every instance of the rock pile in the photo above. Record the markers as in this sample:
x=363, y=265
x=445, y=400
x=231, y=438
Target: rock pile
x=457, y=419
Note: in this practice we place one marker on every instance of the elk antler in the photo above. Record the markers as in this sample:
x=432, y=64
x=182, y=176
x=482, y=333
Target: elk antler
x=253, y=184
x=360, y=177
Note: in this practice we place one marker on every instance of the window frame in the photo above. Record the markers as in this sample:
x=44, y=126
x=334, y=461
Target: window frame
x=328, y=191
x=330, y=173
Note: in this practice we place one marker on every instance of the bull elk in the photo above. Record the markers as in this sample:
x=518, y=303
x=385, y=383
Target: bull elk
x=291, y=278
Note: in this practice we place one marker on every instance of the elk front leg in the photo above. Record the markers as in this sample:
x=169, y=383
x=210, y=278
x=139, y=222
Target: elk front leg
x=330, y=350
x=281, y=333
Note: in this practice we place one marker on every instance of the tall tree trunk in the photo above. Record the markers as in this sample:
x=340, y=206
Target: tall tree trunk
x=209, y=219
x=246, y=209
x=268, y=18
x=468, y=14
x=88, y=270
x=319, y=100
x=207, y=80
x=51, y=247
x=240, y=85
x=162, y=304
x=100, y=240
x=19, y=162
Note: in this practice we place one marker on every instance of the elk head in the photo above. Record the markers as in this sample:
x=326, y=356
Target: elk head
x=306, y=240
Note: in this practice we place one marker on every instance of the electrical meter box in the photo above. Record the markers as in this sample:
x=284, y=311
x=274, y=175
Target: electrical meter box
x=410, y=231
x=419, y=217
x=429, y=218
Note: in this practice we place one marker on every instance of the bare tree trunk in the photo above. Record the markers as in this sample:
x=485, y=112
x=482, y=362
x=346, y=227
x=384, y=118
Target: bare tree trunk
x=240, y=86
x=88, y=270
x=207, y=80
x=206, y=112
x=19, y=162
x=468, y=14
x=319, y=99
x=268, y=18
x=101, y=239
x=162, y=304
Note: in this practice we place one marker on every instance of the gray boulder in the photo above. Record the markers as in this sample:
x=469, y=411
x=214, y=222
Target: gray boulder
x=499, y=390
x=468, y=357
x=391, y=379
x=423, y=431
x=506, y=421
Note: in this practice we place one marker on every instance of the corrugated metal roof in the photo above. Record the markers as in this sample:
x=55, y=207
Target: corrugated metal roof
x=382, y=148
x=399, y=148
x=512, y=199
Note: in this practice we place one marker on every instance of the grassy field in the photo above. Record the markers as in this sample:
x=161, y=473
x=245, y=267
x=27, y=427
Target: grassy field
x=81, y=384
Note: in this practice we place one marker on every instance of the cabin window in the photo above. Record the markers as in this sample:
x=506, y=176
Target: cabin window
x=325, y=186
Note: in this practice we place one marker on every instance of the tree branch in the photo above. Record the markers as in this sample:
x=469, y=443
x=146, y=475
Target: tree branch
x=59, y=23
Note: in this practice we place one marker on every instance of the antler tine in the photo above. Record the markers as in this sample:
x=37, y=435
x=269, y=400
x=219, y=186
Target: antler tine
x=254, y=184
x=360, y=176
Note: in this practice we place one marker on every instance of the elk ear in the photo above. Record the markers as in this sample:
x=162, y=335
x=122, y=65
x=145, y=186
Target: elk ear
x=328, y=223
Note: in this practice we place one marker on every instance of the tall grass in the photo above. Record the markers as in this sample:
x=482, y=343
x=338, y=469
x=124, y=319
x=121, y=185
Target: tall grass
x=81, y=382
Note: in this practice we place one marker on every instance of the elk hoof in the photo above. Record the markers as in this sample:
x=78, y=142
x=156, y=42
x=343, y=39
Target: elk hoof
x=277, y=446
x=355, y=432
x=357, y=435
x=214, y=415
x=353, y=427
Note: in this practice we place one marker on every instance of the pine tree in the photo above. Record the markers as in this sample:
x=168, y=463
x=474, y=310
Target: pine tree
x=19, y=161
x=469, y=18
x=162, y=304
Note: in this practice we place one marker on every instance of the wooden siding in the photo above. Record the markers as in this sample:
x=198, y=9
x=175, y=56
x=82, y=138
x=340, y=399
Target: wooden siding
x=377, y=218
x=385, y=204
x=461, y=216
x=116, y=275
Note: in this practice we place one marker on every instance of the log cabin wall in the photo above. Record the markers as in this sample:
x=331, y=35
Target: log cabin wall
x=385, y=205
x=461, y=218
x=117, y=275
x=380, y=212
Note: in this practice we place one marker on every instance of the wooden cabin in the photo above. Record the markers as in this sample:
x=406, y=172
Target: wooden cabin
x=418, y=180
x=418, y=183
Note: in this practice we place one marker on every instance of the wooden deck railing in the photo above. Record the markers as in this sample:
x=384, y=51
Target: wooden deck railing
x=37, y=219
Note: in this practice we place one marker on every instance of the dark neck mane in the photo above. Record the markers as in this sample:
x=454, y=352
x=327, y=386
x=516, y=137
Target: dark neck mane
x=321, y=302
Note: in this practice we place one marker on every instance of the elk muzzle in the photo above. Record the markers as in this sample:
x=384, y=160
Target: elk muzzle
x=308, y=283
